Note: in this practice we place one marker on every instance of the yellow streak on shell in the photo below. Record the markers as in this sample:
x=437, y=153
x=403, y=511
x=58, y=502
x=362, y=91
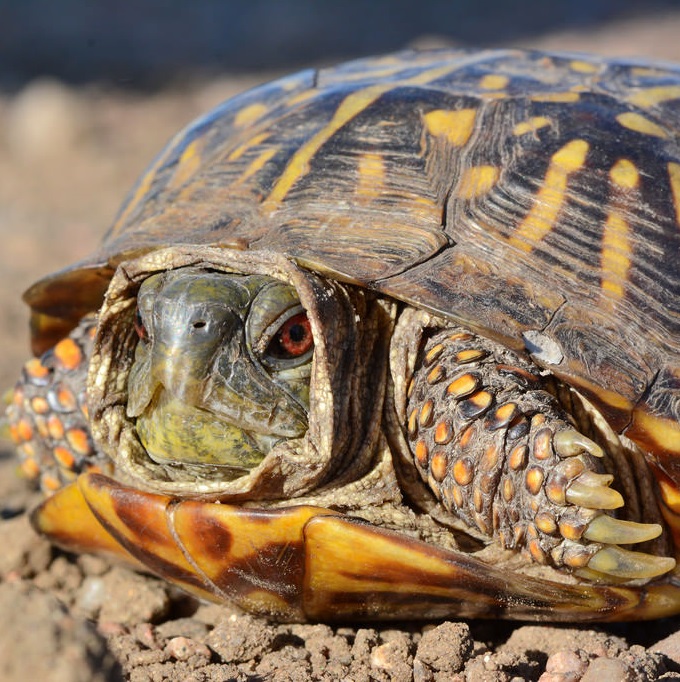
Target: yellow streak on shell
x=674, y=177
x=371, y=176
x=555, y=97
x=477, y=181
x=650, y=97
x=493, y=81
x=640, y=124
x=616, y=247
x=349, y=108
x=550, y=196
x=583, y=67
x=531, y=125
x=250, y=114
x=455, y=126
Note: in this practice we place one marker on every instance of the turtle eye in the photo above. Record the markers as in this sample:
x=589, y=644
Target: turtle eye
x=140, y=327
x=293, y=338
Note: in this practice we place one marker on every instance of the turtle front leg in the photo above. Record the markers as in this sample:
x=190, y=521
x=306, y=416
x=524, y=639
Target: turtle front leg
x=47, y=413
x=500, y=453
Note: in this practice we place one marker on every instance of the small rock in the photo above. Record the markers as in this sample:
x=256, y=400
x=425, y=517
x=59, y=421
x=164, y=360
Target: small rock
x=90, y=596
x=145, y=635
x=183, y=627
x=446, y=648
x=131, y=598
x=394, y=657
x=240, y=640
x=670, y=647
x=564, y=666
x=607, y=670
x=183, y=648
x=90, y=564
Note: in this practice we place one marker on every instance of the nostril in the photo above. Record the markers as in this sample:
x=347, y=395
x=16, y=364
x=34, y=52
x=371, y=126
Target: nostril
x=199, y=324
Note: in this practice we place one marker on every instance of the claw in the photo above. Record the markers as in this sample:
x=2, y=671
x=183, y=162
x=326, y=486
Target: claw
x=613, y=531
x=593, y=497
x=570, y=442
x=622, y=563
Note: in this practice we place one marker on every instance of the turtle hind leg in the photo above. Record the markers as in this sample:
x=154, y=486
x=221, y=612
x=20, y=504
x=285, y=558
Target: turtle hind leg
x=47, y=412
x=500, y=453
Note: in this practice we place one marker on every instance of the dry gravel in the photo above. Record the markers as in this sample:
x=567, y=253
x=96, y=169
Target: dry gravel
x=67, y=156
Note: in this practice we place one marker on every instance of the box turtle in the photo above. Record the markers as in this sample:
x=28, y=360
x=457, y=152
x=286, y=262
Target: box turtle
x=395, y=339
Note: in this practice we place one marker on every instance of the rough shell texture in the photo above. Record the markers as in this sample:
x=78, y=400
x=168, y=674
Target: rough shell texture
x=532, y=197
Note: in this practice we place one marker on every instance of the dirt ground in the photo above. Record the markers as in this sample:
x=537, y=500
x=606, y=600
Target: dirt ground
x=67, y=157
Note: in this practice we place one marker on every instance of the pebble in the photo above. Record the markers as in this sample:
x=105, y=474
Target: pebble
x=606, y=670
x=669, y=646
x=446, y=647
x=563, y=666
x=130, y=598
x=183, y=648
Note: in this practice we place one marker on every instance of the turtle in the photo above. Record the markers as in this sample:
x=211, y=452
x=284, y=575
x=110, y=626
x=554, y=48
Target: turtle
x=394, y=339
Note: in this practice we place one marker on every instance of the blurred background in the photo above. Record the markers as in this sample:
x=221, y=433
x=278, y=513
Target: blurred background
x=90, y=90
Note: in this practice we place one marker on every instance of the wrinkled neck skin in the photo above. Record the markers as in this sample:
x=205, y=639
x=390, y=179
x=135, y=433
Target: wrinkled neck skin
x=343, y=460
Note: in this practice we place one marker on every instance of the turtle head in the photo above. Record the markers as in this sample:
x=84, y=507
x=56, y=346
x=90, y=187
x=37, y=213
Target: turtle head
x=221, y=370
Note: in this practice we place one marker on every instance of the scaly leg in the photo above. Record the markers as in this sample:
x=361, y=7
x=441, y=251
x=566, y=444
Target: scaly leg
x=499, y=452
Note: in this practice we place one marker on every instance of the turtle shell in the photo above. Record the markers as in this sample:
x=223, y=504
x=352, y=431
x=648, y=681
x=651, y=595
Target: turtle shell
x=532, y=197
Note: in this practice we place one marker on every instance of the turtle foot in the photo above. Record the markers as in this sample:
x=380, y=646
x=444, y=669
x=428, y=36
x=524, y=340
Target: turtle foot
x=499, y=452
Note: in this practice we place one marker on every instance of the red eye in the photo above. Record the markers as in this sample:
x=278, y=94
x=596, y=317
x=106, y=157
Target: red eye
x=293, y=339
x=139, y=327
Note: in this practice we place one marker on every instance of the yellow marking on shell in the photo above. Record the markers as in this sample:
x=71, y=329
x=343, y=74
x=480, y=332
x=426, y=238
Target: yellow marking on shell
x=581, y=66
x=298, y=166
x=647, y=71
x=566, y=97
x=531, y=125
x=640, y=124
x=250, y=114
x=188, y=164
x=477, y=181
x=674, y=177
x=349, y=108
x=256, y=165
x=371, y=169
x=650, y=97
x=550, y=196
x=493, y=81
x=625, y=174
x=243, y=148
x=455, y=126
x=616, y=247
